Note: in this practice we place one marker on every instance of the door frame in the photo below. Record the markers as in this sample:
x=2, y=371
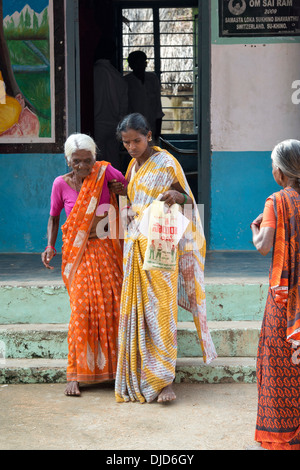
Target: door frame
x=72, y=66
x=204, y=98
x=204, y=95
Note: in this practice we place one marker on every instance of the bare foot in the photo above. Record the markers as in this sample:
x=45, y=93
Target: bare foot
x=72, y=389
x=167, y=394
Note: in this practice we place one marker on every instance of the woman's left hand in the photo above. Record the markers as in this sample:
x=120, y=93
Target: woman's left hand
x=172, y=197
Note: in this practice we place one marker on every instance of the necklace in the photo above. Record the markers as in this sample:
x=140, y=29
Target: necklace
x=75, y=183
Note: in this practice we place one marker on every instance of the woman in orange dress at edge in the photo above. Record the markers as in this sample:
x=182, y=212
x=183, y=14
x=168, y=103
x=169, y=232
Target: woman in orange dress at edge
x=91, y=260
x=278, y=361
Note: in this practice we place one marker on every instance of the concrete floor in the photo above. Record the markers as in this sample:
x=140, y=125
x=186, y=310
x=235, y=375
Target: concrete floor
x=204, y=417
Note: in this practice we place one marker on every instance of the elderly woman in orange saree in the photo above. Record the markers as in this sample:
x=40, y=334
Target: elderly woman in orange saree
x=91, y=261
x=278, y=362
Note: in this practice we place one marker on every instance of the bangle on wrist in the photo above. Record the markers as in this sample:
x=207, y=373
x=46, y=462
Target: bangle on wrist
x=53, y=248
x=185, y=199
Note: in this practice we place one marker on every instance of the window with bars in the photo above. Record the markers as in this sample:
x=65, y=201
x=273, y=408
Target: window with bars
x=168, y=38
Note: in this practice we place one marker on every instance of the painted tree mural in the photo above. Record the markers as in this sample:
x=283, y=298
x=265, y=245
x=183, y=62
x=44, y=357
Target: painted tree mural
x=25, y=70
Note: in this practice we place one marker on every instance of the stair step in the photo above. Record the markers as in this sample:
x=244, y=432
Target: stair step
x=221, y=370
x=226, y=300
x=50, y=340
x=237, y=338
x=14, y=371
x=35, y=341
x=188, y=370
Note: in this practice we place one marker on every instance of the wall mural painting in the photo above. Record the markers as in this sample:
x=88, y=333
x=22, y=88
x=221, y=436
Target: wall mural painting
x=27, y=75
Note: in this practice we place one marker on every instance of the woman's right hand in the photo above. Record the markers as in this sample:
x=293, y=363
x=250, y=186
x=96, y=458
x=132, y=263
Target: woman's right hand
x=47, y=256
x=257, y=221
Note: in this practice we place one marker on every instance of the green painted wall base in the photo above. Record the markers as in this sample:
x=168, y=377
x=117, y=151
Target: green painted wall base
x=50, y=304
x=225, y=370
x=231, y=339
x=233, y=370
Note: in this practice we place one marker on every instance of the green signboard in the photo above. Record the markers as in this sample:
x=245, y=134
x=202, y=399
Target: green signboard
x=244, y=18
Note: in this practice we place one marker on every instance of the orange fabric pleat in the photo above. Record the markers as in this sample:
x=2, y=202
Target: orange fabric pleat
x=92, y=272
x=285, y=273
x=95, y=306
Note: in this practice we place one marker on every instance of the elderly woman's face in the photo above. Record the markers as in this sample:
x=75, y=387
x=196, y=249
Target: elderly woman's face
x=82, y=162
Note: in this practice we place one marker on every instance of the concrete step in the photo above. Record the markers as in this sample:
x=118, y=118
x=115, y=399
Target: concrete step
x=188, y=370
x=50, y=340
x=221, y=370
x=34, y=341
x=231, y=338
x=48, y=302
x=29, y=371
x=35, y=311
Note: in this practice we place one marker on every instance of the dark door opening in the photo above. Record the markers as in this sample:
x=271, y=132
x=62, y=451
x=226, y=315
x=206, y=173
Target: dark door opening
x=174, y=52
x=167, y=34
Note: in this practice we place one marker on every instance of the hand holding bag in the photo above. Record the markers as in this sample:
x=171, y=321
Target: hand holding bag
x=163, y=226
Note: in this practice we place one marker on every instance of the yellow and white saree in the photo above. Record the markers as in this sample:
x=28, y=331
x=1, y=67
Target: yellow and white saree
x=149, y=302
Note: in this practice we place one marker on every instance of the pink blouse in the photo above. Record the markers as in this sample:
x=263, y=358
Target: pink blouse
x=63, y=196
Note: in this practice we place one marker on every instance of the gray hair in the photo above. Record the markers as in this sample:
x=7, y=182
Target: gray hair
x=79, y=142
x=286, y=156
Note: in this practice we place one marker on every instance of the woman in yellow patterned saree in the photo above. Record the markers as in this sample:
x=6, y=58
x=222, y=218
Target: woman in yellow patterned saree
x=148, y=316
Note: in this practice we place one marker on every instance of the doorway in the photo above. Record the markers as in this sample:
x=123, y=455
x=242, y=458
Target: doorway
x=175, y=35
x=167, y=32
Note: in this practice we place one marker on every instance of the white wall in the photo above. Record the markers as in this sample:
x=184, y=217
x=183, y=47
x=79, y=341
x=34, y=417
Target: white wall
x=251, y=100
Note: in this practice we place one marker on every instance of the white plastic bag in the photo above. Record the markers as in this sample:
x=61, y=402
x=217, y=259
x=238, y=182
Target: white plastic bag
x=163, y=226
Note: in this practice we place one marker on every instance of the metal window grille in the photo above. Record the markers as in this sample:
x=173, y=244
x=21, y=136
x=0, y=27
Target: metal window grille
x=167, y=36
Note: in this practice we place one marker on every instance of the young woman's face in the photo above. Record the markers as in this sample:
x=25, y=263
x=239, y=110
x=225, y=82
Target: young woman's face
x=82, y=162
x=136, y=143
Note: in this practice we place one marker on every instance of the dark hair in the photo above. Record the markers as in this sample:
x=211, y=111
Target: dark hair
x=134, y=121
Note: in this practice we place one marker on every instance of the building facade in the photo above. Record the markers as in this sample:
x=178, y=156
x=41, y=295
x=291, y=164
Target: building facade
x=245, y=95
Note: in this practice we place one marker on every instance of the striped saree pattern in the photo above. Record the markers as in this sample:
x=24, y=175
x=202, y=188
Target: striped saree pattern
x=149, y=302
x=92, y=272
x=278, y=361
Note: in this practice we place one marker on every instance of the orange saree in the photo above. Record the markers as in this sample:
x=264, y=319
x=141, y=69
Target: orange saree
x=278, y=361
x=92, y=273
